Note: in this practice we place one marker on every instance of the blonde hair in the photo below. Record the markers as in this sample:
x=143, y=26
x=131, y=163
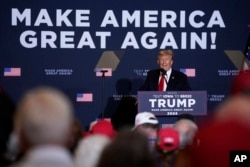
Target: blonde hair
x=165, y=52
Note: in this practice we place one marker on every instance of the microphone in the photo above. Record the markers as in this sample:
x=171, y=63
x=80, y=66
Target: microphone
x=103, y=71
x=163, y=71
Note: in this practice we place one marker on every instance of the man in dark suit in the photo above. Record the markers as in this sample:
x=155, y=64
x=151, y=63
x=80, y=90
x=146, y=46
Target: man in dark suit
x=173, y=80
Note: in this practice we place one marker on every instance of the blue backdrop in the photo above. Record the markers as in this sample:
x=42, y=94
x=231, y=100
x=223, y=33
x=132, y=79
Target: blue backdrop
x=61, y=43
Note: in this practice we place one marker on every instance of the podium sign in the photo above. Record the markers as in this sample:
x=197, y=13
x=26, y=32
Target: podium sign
x=171, y=103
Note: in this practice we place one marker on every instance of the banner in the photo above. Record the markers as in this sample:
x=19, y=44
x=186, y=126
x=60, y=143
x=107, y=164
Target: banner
x=63, y=43
x=173, y=103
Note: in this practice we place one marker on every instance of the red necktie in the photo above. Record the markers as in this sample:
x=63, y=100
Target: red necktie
x=161, y=83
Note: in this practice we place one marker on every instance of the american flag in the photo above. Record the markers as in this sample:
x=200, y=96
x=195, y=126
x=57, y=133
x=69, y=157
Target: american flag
x=246, y=63
x=108, y=72
x=12, y=72
x=190, y=72
x=84, y=97
x=247, y=50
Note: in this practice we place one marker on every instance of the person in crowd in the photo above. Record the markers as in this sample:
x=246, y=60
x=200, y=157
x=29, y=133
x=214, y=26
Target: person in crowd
x=7, y=108
x=128, y=149
x=101, y=127
x=241, y=83
x=187, y=130
x=228, y=130
x=167, y=145
x=43, y=124
x=217, y=140
x=13, y=152
x=165, y=78
x=77, y=132
x=88, y=151
x=237, y=105
x=147, y=124
x=187, y=116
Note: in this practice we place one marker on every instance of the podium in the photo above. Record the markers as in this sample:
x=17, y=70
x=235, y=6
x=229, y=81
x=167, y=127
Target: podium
x=173, y=103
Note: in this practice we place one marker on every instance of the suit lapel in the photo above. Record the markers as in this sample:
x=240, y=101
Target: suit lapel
x=171, y=81
x=156, y=80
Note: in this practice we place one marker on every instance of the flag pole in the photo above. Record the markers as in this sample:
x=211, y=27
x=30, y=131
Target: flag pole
x=103, y=79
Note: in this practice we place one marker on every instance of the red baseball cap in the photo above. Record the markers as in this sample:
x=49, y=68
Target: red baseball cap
x=168, y=139
x=104, y=127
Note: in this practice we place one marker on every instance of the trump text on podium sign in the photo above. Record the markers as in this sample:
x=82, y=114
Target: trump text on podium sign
x=173, y=102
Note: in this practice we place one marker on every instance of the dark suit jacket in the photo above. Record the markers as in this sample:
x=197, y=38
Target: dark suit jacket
x=177, y=81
